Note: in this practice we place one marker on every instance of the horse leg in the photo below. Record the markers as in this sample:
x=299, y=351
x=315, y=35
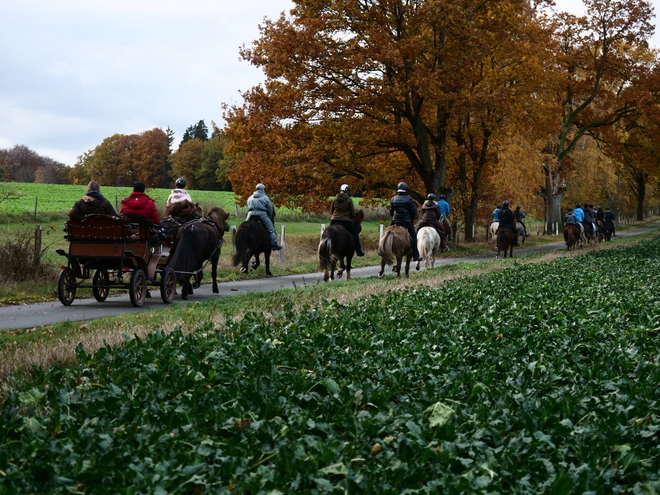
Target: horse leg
x=256, y=263
x=214, y=270
x=349, y=258
x=382, y=268
x=267, y=262
x=185, y=287
x=407, y=265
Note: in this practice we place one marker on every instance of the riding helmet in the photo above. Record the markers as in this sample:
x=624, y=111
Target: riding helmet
x=344, y=188
x=569, y=209
x=403, y=186
x=180, y=183
x=442, y=196
x=578, y=205
x=430, y=196
x=517, y=207
x=499, y=206
x=505, y=203
x=260, y=187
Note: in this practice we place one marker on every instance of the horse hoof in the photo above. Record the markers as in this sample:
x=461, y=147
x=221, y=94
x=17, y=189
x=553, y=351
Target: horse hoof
x=254, y=266
x=339, y=274
x=195, y=285
x=243, y=270
x=380, y=275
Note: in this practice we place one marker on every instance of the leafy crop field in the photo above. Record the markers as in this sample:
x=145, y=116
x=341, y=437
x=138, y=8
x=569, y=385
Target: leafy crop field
x=535, y=379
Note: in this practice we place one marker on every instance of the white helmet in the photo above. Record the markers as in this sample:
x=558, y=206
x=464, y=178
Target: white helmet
x=344, y=188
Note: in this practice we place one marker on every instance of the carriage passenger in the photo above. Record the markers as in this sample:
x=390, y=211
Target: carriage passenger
x=404, y=212
x=431, y=218
x=260, y=205
x=496, y=213
x=92, y=202
x=139, y=203
x=342, y=212
x=178, y=194
x=518, y=216
x=507, y=220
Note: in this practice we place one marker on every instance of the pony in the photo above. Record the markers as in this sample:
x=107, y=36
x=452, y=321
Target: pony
x=428, y=245
x=571, y=236
x=505, y=241
x=600, y=230
x=447, y=226
x=197, y=241
x=493, y=232
x=337, y=245
x=251, y=239
x=609, y=230
x=395, y=244
x=176, y=215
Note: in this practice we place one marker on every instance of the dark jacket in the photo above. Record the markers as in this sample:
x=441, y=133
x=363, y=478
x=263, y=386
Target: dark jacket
x=518, y=215
x=506, y=217
x=140, y=204
x=342, y=208
x=90, y=203
x=402, y=208
x=569, y=218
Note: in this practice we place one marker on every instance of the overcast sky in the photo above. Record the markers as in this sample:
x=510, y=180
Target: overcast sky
x=73, y=72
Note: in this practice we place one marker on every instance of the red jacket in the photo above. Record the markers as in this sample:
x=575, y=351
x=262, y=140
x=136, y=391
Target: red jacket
x=141, y=204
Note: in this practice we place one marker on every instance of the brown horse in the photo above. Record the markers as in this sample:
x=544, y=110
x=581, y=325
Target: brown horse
x=177, y=214
x=601, y=230
x=337, y=245
x=506, y=240
x=447, y=226
x=251, y=239
x=571, y=236
x=395, y=244
x=196, y=242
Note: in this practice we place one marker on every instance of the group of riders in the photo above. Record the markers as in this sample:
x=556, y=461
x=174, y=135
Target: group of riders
x=508, y=219
x=586, y=220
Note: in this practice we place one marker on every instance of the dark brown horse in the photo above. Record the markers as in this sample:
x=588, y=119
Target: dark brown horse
x=196, y=242
x=176, y=215
x=571, y=236
x=393, y=246
x=251, y=239
x=601, y=230
x=337, y=245
x=506, y=240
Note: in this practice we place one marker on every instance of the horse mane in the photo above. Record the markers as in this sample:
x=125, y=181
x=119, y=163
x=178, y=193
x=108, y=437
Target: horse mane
x=183, y=209
x=219, y=217
x=359, y=215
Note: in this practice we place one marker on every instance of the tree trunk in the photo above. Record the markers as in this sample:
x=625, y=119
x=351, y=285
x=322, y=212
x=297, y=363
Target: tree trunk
x=641, y=194
x=552, y=193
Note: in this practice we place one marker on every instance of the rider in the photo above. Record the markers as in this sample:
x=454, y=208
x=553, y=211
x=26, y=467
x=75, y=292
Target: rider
x=342, y=212
x=518, y=215
x=92, y=202
x=403, y=212
x=609, y=220
x=506, y=220
x=588, y=221
x=579, y=216
x=260, y=206
x=141, y=204
x=496, y=213
x=431, y=218
x=179, y=194
x=569, y=218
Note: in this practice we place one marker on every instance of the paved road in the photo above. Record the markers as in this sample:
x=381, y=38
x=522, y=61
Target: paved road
x=33, y=315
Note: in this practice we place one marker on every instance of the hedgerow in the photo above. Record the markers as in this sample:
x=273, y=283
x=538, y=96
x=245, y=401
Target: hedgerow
x=535, y=379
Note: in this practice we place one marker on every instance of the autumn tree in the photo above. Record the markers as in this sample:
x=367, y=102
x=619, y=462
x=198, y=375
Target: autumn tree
x=596, y=54
x=368, y=91
x=22, y=164
x=186, y=162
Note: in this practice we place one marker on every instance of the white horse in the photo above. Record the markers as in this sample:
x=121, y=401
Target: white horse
x=428, y=244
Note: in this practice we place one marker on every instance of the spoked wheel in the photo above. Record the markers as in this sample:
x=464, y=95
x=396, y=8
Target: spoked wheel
x=101, y=284
x=138, y=289
x=66, y=286
x=167, y=285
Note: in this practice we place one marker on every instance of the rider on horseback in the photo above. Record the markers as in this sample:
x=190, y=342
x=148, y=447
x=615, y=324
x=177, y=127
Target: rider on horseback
x=588, y=222
x=431, y=218
x=569, y=218
x=342, y=212
x=260, y=206
x=496, y=213
x=403, y=212
x=518, y=215
x=506, y=220
x=179, y=193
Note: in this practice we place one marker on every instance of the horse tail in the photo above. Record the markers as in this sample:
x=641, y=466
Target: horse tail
x=385, y=247
x=186, y=253
x=325, y=252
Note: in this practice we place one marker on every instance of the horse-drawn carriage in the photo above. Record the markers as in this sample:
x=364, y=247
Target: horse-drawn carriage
x=115, y=252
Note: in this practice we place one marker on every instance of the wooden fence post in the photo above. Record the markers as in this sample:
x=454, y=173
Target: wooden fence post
x=233, y=240
x=37, y=244
x=36, y=201
x=380, y=232
x=322, y=229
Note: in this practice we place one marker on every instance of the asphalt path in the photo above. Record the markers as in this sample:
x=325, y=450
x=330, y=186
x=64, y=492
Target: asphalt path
x=49, y=313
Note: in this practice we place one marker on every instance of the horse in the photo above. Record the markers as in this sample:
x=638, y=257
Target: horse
x=197, y=241
x=447, y=226
x=395, y=244
x=571, y=236
x=600, y=230
x=337, y=245
x=493, y=232
x=505, y=240
x=428, y=245
x=176, y=215
x=609, y=230
x=251, y=239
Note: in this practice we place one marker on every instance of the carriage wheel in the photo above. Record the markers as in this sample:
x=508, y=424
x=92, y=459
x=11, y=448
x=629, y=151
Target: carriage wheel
x=101, y=283
x=167, y=285
x=138, y=289
x=66, y=286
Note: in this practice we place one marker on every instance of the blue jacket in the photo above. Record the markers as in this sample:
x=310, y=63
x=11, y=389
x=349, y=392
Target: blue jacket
x=579, y=214
x=444, y=207
x=496, y=215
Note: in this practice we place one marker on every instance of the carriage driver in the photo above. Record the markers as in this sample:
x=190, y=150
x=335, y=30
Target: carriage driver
x=506, y=221
x=259, y=205
x=342, y=212
x=403, y=212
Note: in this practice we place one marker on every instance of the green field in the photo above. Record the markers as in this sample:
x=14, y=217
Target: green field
x=537, y=378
